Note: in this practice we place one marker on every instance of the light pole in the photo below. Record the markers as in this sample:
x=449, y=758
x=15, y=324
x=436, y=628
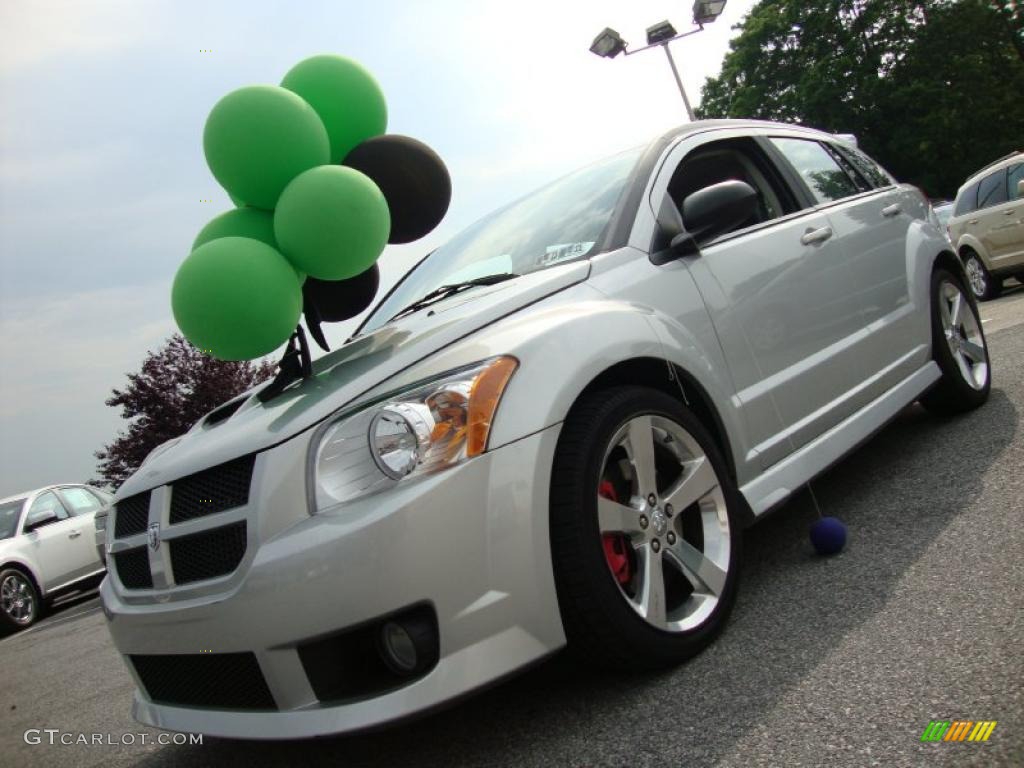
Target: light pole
x=609, y=43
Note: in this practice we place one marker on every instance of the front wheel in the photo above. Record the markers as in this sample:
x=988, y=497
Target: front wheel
x=19, y=602
x=644, y=532
x=958, y=347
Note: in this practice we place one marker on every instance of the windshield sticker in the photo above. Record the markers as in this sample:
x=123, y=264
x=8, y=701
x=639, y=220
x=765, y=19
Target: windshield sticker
x=562, y=252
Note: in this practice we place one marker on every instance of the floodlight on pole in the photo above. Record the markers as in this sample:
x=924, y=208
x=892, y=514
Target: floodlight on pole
x=609, y=43
x=706, y=11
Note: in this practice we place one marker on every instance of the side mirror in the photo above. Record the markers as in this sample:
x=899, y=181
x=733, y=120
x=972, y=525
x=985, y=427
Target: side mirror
x=709, y=212
x=36, y=523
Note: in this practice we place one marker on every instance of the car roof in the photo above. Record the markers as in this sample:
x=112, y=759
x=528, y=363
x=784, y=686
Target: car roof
x=27, y=494
x=1019, y=154
x=703, y=125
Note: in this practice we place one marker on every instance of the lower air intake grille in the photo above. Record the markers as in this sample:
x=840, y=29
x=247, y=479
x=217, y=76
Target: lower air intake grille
x=133, y=569
x=208, y=554
x=131, y=515
x=216, y=680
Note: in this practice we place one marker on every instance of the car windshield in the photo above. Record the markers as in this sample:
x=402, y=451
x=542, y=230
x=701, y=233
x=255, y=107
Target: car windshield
x=555, y=224
x=9, y=513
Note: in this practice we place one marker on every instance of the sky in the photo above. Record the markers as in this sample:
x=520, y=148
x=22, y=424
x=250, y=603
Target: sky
x=103, y=180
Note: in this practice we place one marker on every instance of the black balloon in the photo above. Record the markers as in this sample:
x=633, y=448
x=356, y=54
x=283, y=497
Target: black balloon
x=413, y=178
x=337, y=300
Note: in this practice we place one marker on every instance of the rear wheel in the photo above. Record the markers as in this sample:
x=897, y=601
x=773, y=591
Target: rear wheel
x=979, y=279
x=644, y=535
x=19, y=601
x=958, y=347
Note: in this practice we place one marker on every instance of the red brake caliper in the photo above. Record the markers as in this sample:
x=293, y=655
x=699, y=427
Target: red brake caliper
x=615, y=543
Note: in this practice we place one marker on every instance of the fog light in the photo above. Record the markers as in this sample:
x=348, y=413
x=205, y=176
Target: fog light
x=398, y=648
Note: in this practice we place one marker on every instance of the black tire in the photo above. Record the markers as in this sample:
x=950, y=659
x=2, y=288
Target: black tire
x=601, y=627
x=12, y=616
x=990, y=287
x=952, y=394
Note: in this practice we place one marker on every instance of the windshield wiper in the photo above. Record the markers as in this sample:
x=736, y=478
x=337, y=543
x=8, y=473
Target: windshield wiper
x=444, y=291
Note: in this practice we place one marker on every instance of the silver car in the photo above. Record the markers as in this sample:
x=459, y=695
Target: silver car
x=47, y=548
x=551, y=432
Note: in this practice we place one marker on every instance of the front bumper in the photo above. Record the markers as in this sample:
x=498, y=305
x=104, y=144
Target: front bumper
x=471, y=541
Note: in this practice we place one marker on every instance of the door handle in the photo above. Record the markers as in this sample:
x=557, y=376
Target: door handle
x=815, y=236
x=973, y=221
x=1008, y=213
x=892, y=210
x=74, y=534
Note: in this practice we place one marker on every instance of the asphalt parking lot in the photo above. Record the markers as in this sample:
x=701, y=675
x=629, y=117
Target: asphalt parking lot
x=838, y=661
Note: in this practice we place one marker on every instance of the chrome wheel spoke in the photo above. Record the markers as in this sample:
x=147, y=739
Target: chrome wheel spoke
x=613, y=517
x=954, y=310
x=974, y=351
x=698, y=481
x=641, y=445
x=652, y=589
x=703, y=574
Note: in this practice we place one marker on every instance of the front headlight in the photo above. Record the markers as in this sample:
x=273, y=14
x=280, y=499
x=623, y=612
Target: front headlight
x=427, y=428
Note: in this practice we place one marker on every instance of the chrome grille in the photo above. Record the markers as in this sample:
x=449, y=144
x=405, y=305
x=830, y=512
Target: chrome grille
x=213, y=490
x=208, y=554
x=132, y=568
x=131, y=515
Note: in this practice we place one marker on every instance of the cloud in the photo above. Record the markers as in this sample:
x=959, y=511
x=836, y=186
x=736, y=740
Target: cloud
x=41, y=30
x=61, y=358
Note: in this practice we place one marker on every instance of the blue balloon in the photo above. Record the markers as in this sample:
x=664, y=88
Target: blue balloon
x=828, y=536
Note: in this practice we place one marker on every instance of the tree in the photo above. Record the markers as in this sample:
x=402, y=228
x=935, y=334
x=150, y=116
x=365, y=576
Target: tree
x=931, y=88
x=175, y=387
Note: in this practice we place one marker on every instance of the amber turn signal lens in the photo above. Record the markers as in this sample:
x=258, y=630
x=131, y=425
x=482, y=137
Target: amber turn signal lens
x=483, y=402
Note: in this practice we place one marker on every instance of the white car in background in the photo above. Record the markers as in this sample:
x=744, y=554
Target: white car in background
x=47, y=548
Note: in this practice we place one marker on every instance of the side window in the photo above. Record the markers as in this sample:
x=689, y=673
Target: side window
x=1014, y=176
x=859, y=181
x=46, y=505
x=734, y=159
x=79, y=500
x=871, y=170
x=992, y=189
x=968, y=201
x=826, y=179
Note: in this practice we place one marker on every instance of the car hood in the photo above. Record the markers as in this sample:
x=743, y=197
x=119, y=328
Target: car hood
x=342, y=376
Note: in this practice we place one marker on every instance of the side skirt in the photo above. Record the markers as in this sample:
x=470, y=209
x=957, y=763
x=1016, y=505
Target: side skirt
x=776, y=484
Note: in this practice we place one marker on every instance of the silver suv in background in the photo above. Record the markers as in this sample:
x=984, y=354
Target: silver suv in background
x=987, y=226
x=47, y=548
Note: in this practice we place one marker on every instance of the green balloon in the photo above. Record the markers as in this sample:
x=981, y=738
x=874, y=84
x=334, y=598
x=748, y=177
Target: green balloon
x=257, y=139
x=332, y=222
x=239, y=222
x=347, y=98
x=236, y=298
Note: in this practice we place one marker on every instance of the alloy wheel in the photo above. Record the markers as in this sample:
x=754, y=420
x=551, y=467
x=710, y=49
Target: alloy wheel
x=976, y=276
x=663, y=522
x=16, y=599
x=962, y=330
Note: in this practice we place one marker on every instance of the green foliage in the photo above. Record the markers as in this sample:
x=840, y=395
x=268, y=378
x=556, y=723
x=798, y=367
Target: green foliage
x=931, y=89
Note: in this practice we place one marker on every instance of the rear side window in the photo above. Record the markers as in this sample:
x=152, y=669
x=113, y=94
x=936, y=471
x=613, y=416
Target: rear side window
x=80, y=500
x=968, y=201
x=824, y=176
x=1014, y=176
x=992, y=189
x=868, y=168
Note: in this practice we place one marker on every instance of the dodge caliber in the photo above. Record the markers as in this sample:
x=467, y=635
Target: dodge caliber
x=551, y=432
